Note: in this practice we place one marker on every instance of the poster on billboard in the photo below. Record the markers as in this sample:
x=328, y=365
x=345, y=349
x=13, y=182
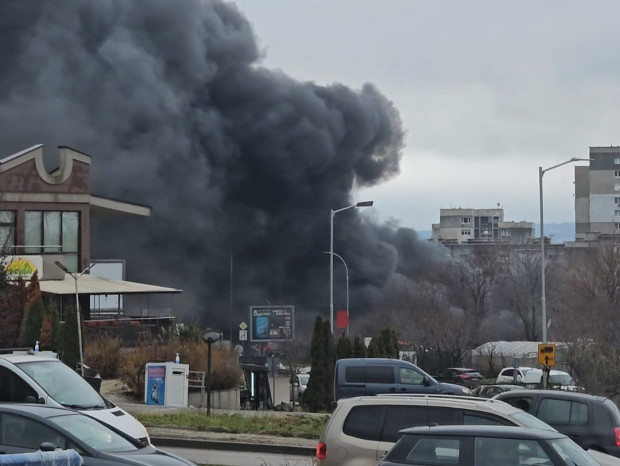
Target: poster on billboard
x=272, y=323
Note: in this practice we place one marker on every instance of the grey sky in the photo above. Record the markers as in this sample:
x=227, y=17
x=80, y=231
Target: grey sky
x=488, y=91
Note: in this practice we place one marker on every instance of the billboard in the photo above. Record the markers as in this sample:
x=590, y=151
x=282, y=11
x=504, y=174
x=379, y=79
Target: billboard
x=272, y=323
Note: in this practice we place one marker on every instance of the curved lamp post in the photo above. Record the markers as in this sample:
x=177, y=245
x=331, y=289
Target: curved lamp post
x=543, y=299
x=77, y=305
x=209, y=338
x=346, y=269
x=331, y=257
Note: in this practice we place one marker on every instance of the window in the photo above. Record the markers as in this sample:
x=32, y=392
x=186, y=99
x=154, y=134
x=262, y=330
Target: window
x=409, y=376
x=494, y=451
x=401, y=417
x=617, y=200
x=364, y=422
x=466, y=220
x=466, y=232
x=617, y=213
x=554, y=412
x=380, y=374
x=617, y=187
x=18, y=431
x=53, y=232
x=617, y=226
x=7, y=229
x=435, y=450
x=14, y=389
x=617, y=173
x=475, y=418
x=617, y=161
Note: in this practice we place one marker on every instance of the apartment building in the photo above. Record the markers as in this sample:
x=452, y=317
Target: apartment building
x=465, y=225
x=597, y=194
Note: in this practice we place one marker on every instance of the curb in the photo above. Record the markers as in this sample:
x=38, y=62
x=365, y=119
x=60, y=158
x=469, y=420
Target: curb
x=232, y=446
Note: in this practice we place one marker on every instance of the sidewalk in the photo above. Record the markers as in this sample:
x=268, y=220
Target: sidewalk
x=171, y=436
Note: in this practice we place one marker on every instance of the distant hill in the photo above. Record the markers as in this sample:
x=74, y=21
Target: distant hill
x=558, y=232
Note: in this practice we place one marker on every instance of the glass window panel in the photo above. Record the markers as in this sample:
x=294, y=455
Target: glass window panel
x=554, y=411
x=51, y=231
x=70, y=231
x=33, y=239
x=7, y=217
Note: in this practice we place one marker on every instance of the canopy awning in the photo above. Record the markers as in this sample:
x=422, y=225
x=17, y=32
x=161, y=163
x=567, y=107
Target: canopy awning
x=88, y=284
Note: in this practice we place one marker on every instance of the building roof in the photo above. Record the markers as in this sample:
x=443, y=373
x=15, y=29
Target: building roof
x=88, y=284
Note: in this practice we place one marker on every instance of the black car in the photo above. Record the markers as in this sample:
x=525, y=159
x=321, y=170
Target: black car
x=591, y=421
x=489, y=391
x=485, y=446
x=470, y=378
x=26, y=428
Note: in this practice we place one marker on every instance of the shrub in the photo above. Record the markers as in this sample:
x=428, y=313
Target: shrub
x=103, y=355
x=225, y=368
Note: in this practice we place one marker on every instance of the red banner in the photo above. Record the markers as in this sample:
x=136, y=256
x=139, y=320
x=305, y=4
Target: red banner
x=342, y=319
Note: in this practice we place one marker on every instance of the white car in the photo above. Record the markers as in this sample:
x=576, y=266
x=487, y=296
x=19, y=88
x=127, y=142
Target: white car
x=533, y=376
x=35, y=378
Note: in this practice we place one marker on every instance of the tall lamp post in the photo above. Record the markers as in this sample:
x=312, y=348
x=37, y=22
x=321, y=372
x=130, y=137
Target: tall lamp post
x=77, y=306
x=209, y=338
x=543, y=299
x=331, y=257
x=346, y=269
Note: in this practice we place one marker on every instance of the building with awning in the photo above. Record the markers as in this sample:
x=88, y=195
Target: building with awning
x=45, y=225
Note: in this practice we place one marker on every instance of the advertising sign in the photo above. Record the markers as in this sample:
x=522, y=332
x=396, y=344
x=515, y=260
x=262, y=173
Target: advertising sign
x=23, y=267
x=155, y=384
x=272, y=323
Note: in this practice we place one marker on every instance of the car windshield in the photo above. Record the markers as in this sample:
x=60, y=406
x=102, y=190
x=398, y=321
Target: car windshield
x=303, y=379
x=528, y=420
x=572, y=453
x=64, y=385
x=561, y=379
x=93, y=433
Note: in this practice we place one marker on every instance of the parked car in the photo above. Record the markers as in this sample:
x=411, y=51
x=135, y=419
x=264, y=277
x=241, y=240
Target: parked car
x=591, y=421
x=25, y=428
x=371, y=376
x=30, y=378
x=489, y=391
x=532, y=376
x=362, y=429
x=485, y=446
x=470, y=378
x=299, y=385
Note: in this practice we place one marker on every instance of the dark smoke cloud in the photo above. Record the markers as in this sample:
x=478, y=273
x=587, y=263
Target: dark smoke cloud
x=239, y=161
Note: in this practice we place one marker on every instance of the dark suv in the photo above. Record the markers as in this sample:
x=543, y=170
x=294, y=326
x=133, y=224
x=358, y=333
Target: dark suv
x=591, y=421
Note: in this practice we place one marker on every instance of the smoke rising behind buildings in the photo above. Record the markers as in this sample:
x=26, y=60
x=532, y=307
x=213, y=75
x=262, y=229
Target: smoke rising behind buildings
x=241, y=164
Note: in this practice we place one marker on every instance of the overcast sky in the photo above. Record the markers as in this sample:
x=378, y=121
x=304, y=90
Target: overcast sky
x=487, y=91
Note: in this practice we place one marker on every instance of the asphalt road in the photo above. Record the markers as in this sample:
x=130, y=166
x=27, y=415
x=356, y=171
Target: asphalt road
x=240, y=458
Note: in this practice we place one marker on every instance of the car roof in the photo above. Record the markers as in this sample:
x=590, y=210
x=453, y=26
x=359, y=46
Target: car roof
x=473, y=402
x=485, y=431
x=555, y=393
x=17, y=358
x=469, y=369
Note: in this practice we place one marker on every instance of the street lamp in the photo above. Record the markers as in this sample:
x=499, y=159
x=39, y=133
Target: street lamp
x=331, y=257
x=543, y=299
x=77, y=306
x=346, y=269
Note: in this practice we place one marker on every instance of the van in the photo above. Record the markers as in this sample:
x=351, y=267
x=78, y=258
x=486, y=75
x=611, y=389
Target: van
x=361, y=430
x=591, y=421
x=37, y=378
x=372, y=376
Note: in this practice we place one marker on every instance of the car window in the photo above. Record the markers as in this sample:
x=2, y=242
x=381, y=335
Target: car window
x=444, y=416
x=380, y=374
x=93, y=433
x=572, y=453
x=410, y=376
x=521, y=402
x=528, y=420
x=508, y=372
x=438, y=450
x=401, y=417
x=18, y=431
x=15, y=389
x=354, y=374
x=496, y=451
x=364, y=422
x=554, y=411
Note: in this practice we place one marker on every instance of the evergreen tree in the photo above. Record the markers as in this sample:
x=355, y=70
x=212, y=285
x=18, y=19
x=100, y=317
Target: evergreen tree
x=314, y=396
x=68, y=341
x=49, y=329
x=12, y=305
x=33, y=321
x=359, y=349
x=4, y=282
x=390, y=343
x=344, y=348
x=376, y=347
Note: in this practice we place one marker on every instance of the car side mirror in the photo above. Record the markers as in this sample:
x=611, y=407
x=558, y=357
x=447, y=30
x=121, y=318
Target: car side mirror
x=47, y=446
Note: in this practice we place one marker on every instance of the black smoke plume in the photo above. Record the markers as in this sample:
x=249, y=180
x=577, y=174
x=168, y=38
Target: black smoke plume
x=241, y=164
